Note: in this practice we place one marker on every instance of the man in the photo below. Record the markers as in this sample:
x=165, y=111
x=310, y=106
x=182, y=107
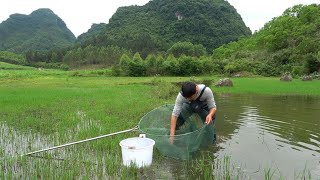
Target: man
x=195, y=98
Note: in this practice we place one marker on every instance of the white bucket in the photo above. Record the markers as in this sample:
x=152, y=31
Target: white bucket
x=137, y=150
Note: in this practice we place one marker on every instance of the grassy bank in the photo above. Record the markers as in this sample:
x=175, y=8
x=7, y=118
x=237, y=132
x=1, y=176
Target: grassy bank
x=272, y=86
x=252, y=85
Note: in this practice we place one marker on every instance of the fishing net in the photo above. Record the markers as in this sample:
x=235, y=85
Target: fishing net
x=188, y=137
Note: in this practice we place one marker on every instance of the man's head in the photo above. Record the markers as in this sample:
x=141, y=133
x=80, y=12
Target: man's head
x=188, y=89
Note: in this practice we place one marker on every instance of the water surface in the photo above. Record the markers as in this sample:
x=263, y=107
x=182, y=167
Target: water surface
x=281, y=133
x=277, y=132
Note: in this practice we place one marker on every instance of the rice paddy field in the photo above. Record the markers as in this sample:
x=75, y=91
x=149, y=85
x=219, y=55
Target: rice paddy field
x=42, y=108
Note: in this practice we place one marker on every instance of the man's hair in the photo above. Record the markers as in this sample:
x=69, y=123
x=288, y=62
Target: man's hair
x=188, y=89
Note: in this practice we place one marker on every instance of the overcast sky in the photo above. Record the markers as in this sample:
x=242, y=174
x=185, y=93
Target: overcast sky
x=79, y=15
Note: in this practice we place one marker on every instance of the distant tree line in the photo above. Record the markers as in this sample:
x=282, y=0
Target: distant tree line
x=12, y=58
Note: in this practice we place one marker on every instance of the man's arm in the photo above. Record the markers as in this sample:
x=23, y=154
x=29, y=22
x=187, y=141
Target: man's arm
x=211, y=105
x=175, y=113
x=173, y=124
x=209, y=117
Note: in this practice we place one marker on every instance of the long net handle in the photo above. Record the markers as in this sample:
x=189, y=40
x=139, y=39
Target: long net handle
x=78, y=142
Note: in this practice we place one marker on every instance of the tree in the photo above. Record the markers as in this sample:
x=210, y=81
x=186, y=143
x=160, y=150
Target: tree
x=312, y=64
x=151, y=65
x=170, y=66
x=125, y=64
x=137, y=58
x=137, y=66
x=188, y=49
x=187, y=66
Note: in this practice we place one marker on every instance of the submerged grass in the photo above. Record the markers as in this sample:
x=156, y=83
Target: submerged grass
x=42, y=108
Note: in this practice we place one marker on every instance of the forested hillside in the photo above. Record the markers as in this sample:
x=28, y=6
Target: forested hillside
x=288, y=43
x=41, y=30
x=182, y=38
x=152, y=29
x=159, y=24
x=92, y=32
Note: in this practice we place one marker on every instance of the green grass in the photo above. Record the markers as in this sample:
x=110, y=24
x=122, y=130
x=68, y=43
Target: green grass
x=271, y=86
x=254, y=85
x=44, y=108
x=9, y=66
x=66, y=110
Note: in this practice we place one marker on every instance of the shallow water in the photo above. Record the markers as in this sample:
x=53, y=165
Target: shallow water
x=277, y=132
x=257, y=132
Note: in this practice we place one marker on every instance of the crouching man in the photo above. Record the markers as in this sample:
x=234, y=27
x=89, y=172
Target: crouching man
x=193, y=98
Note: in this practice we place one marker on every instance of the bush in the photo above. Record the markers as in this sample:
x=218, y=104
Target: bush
x=124, y=64
x=239, y=66
x=115, y=70
x=265, y=69
x=188, y=49
x=137, y=69
x=312, y=64
x=218, y=66
x=188, y=66
x=297, y=71
x=206, y=65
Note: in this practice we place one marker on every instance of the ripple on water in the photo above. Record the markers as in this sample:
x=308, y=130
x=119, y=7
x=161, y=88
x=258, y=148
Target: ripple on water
x=270, y=130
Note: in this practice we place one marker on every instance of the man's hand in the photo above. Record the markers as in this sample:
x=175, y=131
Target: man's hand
x=208, y=119
x=171, y=139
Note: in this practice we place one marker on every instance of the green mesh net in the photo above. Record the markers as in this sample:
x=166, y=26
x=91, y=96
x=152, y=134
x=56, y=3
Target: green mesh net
x=188, y=138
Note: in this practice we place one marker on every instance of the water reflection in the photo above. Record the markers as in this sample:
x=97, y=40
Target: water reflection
x=14, y=142
x=270, y=132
